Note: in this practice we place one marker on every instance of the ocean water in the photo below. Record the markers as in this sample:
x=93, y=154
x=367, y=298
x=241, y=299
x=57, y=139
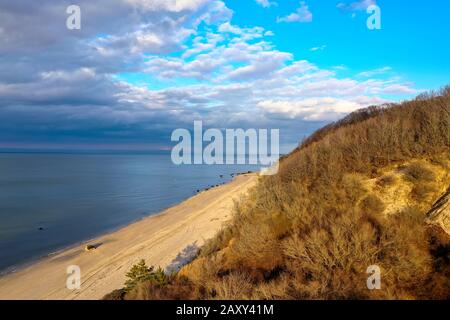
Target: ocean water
x=50, y=201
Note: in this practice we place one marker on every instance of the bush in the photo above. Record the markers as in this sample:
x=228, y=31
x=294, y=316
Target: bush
x=256, y=247
x=422, y=192
x=406, y=254
x=174, y=289
x=335, y=229
x=217, y=243
x=331, y=263
x=116, y=295
x=353, y=187
x=141, y=272
x=235, y=286
x=385, y=181
x=416, y=173
x=311, y=231
x=372, y=205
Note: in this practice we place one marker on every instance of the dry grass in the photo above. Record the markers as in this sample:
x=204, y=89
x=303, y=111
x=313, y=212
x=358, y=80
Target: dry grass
x=386, y=181
x=311, y=231
x=372, y=205
x=418, y=173
x=177, y=289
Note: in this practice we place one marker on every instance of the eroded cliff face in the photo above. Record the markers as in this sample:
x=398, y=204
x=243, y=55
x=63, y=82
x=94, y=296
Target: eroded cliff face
x=440, y=213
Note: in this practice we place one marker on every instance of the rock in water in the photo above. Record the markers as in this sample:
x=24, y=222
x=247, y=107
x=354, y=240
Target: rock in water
x=440, y=213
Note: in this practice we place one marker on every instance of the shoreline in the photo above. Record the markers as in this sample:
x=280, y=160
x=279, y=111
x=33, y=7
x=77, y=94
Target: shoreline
x=25, y=264
x=160, y=239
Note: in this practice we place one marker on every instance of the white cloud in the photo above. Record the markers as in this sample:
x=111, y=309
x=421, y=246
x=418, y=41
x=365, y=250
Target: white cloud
x=360, y=5
x=320, y=48
x=244, y=33
x=302, y=14
x=264, y=64
x=240, y=74
x=375, y=72
x=340, y=67
x=200, y=68
x=319, y=108
x=168, y=5
x=223, y=73
x=227, y=27
x=266, y=3
x=297, y=69
x=399, y=89
x=203, y=44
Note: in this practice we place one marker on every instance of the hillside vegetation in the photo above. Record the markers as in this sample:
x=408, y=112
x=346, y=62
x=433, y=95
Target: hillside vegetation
x=354, y=194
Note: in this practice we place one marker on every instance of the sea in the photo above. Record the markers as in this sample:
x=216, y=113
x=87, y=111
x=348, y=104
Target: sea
x=53, y=200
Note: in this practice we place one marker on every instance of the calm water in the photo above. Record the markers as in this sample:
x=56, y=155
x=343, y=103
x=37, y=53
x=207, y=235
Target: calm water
x=75, y=197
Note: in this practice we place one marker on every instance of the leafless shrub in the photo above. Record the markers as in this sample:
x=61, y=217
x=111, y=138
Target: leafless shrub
x=386, y=180
x=417, y=173
x=311, y=231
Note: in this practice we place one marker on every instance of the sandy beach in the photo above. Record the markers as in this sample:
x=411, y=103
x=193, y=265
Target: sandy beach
x=165, y=240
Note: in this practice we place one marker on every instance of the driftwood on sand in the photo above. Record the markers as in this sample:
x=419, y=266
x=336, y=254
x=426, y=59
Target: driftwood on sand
x=440, y=213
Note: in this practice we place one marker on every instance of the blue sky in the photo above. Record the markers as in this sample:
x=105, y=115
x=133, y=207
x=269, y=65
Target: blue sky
x=139, y=69
x=414, y=40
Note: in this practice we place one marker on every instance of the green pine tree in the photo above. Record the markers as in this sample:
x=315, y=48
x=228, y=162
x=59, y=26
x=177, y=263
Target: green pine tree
x=141, y=272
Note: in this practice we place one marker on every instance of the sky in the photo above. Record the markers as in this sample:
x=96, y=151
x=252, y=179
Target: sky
x=139, y=69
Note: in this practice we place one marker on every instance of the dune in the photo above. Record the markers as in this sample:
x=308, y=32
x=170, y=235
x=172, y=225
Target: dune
x=167, y=239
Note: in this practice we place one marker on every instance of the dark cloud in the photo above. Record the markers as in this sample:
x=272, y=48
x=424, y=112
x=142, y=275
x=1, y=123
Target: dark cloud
x=60, y=86
x=57, y=84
